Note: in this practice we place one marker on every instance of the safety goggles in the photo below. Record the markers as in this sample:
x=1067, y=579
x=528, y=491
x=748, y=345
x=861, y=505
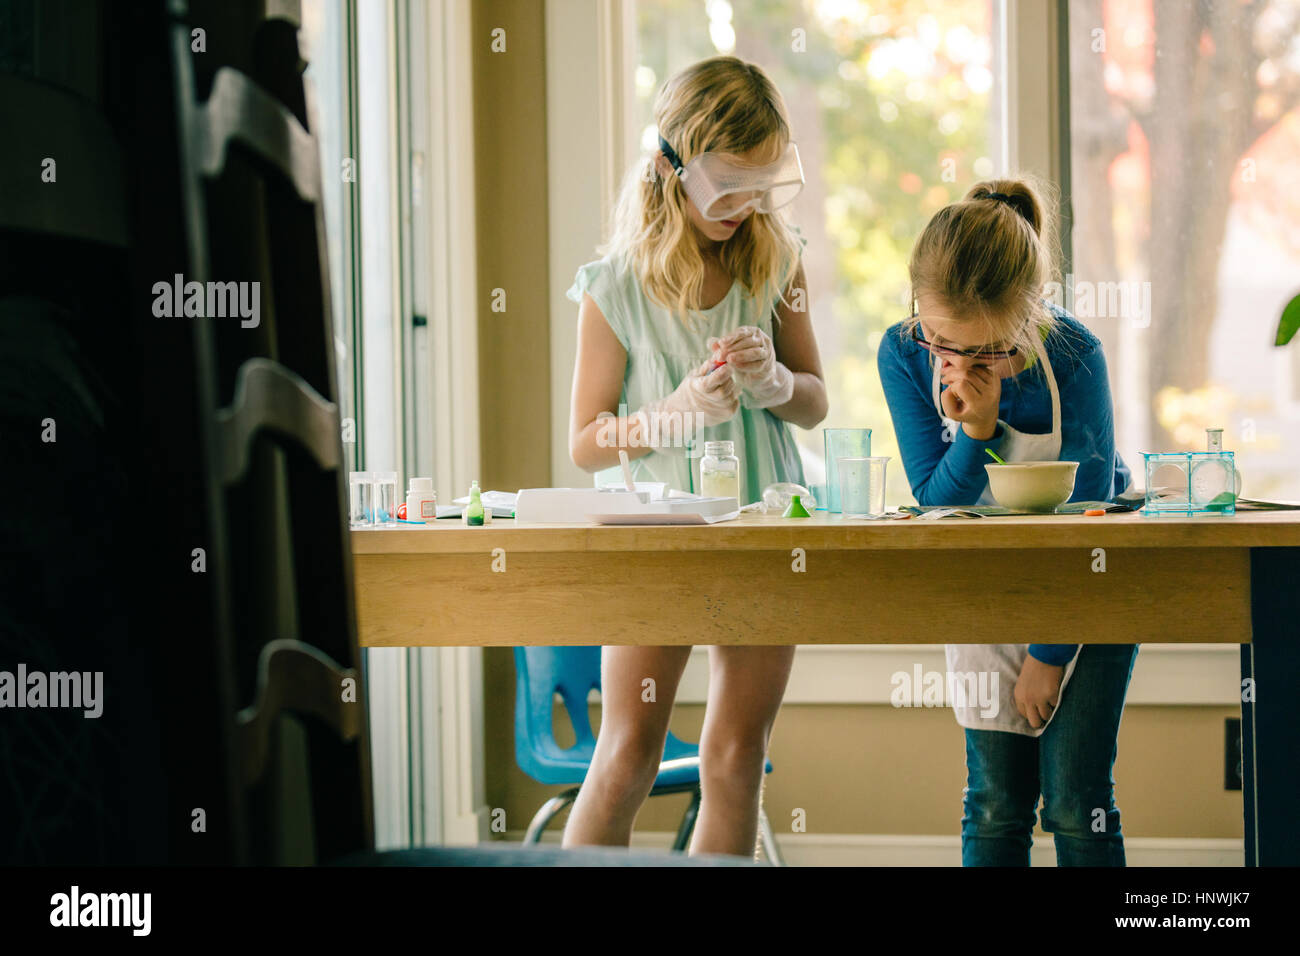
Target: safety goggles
x=720, y=189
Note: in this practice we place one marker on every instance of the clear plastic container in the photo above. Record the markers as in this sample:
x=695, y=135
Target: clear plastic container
x=720, y=471
x=776, y=497
x=361, y=506
x=862, y=486
x=840, y=443
x=1190, y=483
x=385, y=500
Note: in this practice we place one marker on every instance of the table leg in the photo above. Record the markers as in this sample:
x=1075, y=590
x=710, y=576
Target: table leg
x=1270, y=728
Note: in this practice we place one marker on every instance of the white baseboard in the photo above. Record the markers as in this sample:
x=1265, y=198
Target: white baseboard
x=468, y=829
x=862, y=849
x=1165, y=674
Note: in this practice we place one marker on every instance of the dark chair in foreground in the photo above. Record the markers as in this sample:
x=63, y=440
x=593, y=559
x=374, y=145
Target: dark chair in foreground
x=212, y=584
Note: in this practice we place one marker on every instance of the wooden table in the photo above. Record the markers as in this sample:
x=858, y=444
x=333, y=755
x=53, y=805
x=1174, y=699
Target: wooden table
x=1117, y=578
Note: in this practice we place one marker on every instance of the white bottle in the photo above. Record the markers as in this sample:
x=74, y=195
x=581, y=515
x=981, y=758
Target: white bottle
x=421, y=501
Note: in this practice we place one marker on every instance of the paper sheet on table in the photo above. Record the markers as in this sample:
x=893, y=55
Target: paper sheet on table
x=491, y=499
x=1259, y=504
x=500, y=503
x=932, y=512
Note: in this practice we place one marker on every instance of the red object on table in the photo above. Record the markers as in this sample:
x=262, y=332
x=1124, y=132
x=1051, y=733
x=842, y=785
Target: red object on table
x=401, y=511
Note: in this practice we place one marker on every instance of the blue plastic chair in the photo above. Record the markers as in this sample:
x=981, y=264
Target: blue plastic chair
x=572, y=672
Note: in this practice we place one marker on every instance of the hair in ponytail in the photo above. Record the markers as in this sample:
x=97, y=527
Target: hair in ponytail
x=989, y=256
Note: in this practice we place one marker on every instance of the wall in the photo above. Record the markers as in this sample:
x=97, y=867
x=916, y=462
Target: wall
x=874, y=769
x=510, y=181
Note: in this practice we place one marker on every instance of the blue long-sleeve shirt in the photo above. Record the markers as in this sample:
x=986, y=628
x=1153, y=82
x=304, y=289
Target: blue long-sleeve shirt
x=951, y=472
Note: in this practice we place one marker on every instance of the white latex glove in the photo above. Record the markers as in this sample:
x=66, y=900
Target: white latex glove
x=751, y=356
x=707, y=396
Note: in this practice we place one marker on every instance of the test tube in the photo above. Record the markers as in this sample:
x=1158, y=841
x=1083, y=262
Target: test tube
x=385, y=500
x=1214, y=439
x=361, y=500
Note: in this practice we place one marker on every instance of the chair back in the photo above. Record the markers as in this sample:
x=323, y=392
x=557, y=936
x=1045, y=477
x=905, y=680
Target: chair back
x=541, y=673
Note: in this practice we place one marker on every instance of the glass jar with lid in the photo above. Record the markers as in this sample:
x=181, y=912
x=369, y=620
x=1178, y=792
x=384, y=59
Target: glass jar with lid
x=720, y=471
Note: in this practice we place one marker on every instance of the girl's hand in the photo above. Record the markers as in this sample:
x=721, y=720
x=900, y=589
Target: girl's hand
x=971, y=398
x=710, y=394
x=751, y=356
x=702, y=398
x=1038, y=690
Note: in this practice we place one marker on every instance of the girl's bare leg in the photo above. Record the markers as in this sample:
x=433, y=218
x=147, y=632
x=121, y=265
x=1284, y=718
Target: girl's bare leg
x=746, y=685
x=630, y=743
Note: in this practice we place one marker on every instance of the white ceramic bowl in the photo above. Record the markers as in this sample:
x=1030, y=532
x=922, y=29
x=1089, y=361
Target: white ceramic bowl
x=1039, y=486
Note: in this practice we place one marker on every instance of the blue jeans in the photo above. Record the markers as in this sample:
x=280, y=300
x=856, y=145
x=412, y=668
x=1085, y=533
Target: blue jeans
x=1069, y=765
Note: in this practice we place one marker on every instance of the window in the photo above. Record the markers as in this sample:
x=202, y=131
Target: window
x=350, y=66
x=895, y=108
x=326, y=37
x=1184, y=134
x=392, y=93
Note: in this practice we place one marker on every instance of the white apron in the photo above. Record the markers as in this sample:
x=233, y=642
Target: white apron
x=1004, y=660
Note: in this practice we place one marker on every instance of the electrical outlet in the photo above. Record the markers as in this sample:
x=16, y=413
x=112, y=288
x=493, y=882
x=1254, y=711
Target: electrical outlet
x=1232, y=753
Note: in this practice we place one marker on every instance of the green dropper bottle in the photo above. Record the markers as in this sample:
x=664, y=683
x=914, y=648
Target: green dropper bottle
x=474, y=510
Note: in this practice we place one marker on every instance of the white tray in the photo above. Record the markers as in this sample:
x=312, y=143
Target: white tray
x=670, y=511
x=662, y=518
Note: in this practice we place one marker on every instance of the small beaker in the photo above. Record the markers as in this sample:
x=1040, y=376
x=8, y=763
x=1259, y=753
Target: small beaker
x=385, y=500
x=361, y=500
x=862, y=487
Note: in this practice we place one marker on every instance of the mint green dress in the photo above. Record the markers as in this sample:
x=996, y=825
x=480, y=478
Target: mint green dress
x=661, y=352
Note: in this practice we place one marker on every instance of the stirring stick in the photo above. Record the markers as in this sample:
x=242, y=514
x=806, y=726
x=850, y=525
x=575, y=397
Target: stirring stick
x=627, y=470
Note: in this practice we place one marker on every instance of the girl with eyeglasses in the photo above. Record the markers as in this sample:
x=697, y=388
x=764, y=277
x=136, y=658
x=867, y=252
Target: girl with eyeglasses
x=982, y=362
x=694, y=327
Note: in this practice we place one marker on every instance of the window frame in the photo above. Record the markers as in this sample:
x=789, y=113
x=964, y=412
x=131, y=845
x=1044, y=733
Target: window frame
x=425, y=705
x=1036, y=136
x=445, y=684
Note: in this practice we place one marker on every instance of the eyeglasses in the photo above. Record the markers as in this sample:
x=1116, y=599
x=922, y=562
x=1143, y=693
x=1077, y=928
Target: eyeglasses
x=990, y=355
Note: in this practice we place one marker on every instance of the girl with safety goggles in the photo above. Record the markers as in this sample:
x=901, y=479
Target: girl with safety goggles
x=694, y=327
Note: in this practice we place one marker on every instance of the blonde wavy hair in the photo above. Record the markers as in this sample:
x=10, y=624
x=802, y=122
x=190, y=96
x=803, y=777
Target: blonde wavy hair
x=721, y=104
x=988, y=259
